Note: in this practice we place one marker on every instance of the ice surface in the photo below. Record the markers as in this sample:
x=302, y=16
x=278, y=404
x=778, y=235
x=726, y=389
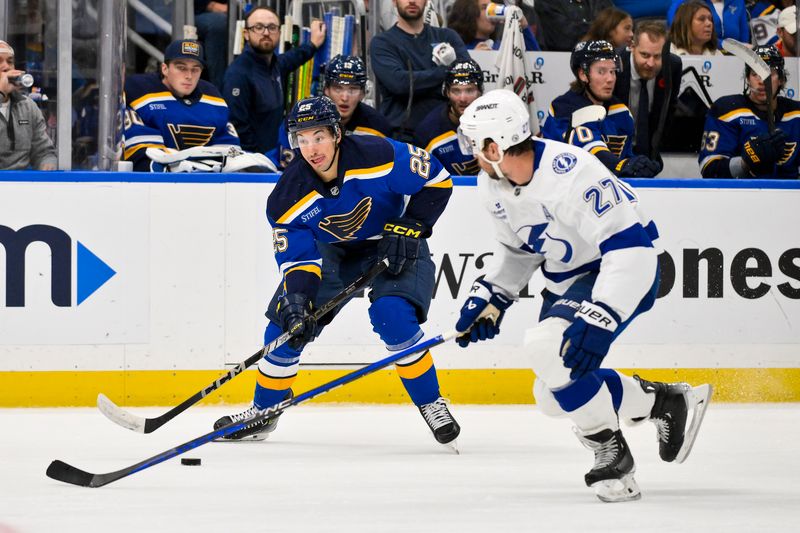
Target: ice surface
x=378, y=469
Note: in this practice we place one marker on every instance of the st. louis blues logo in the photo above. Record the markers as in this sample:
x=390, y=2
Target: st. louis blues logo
x=345, y=226
x=564, y=162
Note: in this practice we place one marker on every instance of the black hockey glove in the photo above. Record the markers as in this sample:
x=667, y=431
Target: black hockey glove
x=400, y=242
x=294, y=313
x=638, y=166
x=761, y=154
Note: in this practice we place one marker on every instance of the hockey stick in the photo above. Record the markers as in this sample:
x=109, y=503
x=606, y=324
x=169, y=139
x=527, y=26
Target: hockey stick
x=666, y=67
x=759, y=66
x=584, y=115
x=62, y=471
x=128, y=420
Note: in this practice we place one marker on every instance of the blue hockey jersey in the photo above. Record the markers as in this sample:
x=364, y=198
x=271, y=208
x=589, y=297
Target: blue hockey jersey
x=154, y=117
x=378, y=179
x=732, y=121
x=437, y=134
x=365, y=120
x=610, y=139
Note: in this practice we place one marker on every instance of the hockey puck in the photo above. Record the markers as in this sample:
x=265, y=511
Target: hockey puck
x=189, y=461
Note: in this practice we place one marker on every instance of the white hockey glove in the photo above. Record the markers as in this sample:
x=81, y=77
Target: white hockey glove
x=444, y=54
x=249, y=162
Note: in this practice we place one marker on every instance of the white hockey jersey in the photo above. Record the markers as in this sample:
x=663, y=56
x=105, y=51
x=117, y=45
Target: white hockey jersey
x=573, y=218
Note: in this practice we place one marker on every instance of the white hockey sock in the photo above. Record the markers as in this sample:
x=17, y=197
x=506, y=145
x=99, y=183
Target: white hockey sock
x=596, y=414
x=636, y=403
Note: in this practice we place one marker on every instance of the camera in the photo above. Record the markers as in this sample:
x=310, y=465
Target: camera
x=23, y=80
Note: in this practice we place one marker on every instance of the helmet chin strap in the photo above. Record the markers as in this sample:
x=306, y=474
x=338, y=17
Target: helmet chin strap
x=495, y=164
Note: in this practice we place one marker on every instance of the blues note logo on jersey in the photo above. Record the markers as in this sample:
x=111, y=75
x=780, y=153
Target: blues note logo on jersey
x=563, y=163
x=788, y=152
x=345, y=226
x=615, y=143
x=187, y=135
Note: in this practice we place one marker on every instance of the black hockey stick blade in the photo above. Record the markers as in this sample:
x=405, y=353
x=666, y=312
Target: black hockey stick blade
x=61, y=471
x=128, y=420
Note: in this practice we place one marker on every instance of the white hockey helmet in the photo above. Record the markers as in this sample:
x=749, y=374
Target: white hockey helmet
x=500, y=115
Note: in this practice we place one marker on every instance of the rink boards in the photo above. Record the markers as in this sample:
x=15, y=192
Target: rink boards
x=145, y=290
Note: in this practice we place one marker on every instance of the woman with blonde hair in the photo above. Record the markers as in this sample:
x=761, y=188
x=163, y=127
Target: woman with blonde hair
x=612, y=25
x=692, y=31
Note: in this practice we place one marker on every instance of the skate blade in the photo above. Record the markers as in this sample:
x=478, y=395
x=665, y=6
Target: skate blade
x=698, y=399
x=624, y=489
x=258, y=437
x=452, y=446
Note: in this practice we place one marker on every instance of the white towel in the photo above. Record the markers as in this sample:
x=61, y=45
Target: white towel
x=513, y=66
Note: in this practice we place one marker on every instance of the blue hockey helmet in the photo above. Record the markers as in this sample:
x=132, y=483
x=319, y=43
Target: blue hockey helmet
x=313, y=112
x=463, y=73
x=346, y=70
x=587, y=52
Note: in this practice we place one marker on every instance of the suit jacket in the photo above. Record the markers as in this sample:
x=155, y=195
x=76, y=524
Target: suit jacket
x=622, y=90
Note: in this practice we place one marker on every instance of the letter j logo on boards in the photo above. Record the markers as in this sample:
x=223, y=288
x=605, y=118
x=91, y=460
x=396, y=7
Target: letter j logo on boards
x=91, y=271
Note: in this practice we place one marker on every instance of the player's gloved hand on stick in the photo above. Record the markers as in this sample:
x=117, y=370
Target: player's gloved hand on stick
x=295, y=314
x=638, y=166
x=588, y=339
x=400, y=242
x=482, y=313
x=444, y=54
x=761, y=154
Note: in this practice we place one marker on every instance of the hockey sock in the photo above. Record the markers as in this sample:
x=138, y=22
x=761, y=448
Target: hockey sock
x=588, y=402
x=630, y=401
x=277, y=371
x=420, y=380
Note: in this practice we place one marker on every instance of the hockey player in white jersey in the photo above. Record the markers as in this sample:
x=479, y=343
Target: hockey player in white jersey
x=557, y=208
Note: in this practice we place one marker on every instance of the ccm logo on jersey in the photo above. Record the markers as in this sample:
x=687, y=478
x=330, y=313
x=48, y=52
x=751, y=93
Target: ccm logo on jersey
x=402, y=230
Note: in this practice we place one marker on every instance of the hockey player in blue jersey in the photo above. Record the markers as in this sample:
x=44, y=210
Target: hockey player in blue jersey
x=174, y=110
x=737, y=142
x=463, y=83
x=344, y=204
x=557, y=209
x=595, y=65
x=345, y=85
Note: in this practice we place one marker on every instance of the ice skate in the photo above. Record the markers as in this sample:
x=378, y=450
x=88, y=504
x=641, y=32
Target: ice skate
x=612, y=473
x=444, y=427
x=675, y=405
x=252, y=432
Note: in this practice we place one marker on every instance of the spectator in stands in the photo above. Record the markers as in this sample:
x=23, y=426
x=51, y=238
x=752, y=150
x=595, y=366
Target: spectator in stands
x=612, y=25
x=253, y=86
x=763, y=15
x=563, y=23
x=469, y=20
x=437, y=132
x=642, y=87
x=211, y=19
x=729, y=17
x=692, y=32
x=23, y=140
x=174, y=110
x=787, y=32
x=738, y=143
x=595, y=65
x=410, y=61
x=345, y=84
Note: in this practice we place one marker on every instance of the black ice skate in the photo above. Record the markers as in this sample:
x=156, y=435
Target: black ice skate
x=444, y=427
x=612, y=473
x=675, y=404
x=252, y=432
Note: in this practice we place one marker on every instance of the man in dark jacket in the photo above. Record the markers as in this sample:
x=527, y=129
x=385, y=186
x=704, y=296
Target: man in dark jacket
x=643, y=82
x=253, y=86
x=564, y=22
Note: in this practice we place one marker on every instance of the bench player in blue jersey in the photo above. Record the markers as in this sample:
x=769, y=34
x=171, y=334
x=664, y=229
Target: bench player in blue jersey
x=436, y=133
x=174, y=110
x=737, y=142
x=344, y=204
x=345, y=85
x=557, y=209
x=595, y=65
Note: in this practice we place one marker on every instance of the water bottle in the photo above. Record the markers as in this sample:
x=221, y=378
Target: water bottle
x=496, y=12
x=23, y=80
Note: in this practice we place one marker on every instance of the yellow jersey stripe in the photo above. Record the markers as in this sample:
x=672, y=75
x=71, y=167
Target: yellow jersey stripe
x=139, y=102
x=314, y=269
x=295, y=209
x=133, y=149
x=213, y=100
x=596, y=149
x=363, y=130
x=372, y=172
x=736, y=113
x=790, y=116
x=441, y=139
x=446, y=184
